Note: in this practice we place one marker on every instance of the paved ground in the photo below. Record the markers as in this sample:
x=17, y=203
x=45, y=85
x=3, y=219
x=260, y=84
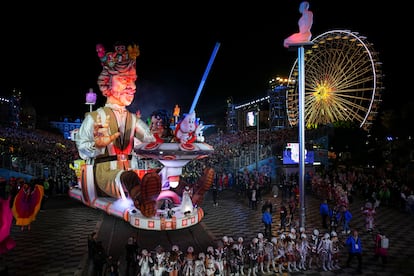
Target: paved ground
x=57, y=242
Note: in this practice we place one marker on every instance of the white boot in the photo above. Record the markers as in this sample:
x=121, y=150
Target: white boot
x=294, y=266
x=304, y=266
x=274, y=266
x=268, y=268
x=281, y=269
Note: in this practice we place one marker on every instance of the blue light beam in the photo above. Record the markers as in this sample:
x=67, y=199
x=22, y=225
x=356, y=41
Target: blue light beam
x=203, y=80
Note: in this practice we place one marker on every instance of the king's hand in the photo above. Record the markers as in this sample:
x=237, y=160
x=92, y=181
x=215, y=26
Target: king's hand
x=101, y=132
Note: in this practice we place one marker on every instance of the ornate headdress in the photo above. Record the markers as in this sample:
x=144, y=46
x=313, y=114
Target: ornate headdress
x=121, y=60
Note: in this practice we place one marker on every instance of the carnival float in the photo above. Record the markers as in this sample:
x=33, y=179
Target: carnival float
x=177, y=202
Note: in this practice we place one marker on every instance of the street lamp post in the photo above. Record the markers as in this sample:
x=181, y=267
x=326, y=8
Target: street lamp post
x=90, y=99
x=257, y=139
x=301, y=121
x=301, y=69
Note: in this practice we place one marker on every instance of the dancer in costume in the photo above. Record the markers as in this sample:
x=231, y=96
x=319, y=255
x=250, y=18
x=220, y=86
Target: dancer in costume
x=145, y=262
x=27, y=203
x=6, y=220
x=325, y=252
x=189, y=260
x=369, y=212
x=336, y=250
x=174, y=261
x=303, y=248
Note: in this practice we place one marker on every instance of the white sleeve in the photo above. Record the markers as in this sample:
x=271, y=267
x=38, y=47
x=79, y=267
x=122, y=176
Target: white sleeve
x=85, y=140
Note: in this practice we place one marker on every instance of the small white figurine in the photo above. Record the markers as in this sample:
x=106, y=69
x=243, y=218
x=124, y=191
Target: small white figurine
x=185, y=129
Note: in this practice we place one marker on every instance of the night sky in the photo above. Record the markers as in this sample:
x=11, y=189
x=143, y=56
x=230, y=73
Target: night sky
x=50, y=54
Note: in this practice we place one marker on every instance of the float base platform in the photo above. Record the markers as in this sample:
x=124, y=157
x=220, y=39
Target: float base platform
x=125, y=210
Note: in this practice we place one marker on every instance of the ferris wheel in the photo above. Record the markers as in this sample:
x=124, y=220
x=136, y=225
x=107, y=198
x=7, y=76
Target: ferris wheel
x=343, y=81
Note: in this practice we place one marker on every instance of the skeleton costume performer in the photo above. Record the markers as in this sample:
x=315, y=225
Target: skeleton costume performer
x=220, y=257
x=174, y=261
x=108, y=135
x=336, y=250
x=314, y=244
x=232, y=260
x=303, y=248
x=252, y=257
x=281, y=253
x=272, y=256
x=227, y=244
x=199, y=265
x=160, y=261
x=325, y=252
x=291, y=252
x=210, y=262
x=240, y=254
x=261, y=252
x=189, y=262
x=145, y=262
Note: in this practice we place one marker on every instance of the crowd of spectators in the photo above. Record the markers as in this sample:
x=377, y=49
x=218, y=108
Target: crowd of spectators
x=31, y=151
x=40, y=154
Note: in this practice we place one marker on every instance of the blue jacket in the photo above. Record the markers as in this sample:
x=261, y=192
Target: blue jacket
x=324, y=209
x=354, y=246
x=347, y=216
x=267, y=218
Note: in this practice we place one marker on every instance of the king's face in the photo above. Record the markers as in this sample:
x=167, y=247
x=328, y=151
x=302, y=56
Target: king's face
x=123, y=87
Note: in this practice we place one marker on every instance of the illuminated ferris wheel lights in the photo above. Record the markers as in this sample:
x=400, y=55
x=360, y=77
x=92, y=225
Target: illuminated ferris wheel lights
x=342, y=81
